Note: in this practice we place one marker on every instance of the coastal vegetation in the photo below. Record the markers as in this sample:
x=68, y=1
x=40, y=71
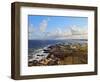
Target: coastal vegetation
x=61, y=54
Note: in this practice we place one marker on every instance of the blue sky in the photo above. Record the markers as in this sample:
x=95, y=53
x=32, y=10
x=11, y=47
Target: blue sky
x=57, y=27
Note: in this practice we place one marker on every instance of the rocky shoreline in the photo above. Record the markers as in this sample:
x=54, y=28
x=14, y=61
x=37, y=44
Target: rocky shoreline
x=60, y=54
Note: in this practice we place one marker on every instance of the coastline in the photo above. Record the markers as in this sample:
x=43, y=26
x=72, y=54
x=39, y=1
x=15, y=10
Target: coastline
x=60, y=54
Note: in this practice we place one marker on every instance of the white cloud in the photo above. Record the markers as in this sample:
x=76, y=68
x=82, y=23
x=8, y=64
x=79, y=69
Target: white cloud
x=78, y=30
x=34, y=33
x=73, y=32
x=43, y=25
x=31, y=30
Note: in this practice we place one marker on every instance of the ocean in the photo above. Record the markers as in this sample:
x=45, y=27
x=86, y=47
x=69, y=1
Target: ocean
x=42, y=43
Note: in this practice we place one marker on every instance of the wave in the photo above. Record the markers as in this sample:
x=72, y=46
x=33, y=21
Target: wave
x=38, y=55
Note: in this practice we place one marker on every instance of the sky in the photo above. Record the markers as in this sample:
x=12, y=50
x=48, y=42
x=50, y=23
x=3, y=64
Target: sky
x=57, y=27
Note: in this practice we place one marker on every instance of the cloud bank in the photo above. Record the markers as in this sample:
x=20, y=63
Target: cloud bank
x=73, y=32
